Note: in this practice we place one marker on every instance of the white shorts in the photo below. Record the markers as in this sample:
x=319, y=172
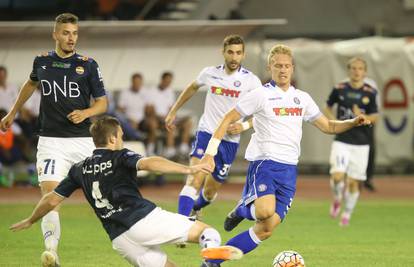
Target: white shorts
x=55, y=155
x=349, y=159
x=140, y=245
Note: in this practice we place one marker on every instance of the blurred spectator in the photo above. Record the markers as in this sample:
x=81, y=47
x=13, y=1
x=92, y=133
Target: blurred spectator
x=11, y=152
x=162, y=98
x=8, y=92
x=133, y=103
x=130, y=133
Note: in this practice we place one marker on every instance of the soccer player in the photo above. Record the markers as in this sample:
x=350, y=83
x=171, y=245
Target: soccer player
x=225, y=84
x=68, y=81
x=135, y=225
x=278, y=110
x=350, y=150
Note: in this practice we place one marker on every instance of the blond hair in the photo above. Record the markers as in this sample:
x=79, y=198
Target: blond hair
x=355, y=59
x=279, y=49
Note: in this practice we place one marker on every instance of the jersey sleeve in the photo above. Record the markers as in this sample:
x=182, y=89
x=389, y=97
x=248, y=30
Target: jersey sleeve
x=68, y=185
x=33, y=74
x=130, y=158
x=251, y=102
x=202, y=78
x=96, y=81
x=373, y=104
x=333, y=98
x=312, y=111
x=255, y=83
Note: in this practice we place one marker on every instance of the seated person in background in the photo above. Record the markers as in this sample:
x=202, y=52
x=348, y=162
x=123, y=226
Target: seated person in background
x=161, y=99
x=133, y=103
x=10, y=149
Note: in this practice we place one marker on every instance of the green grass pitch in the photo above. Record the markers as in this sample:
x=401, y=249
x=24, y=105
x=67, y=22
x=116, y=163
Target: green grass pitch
x=381, y=234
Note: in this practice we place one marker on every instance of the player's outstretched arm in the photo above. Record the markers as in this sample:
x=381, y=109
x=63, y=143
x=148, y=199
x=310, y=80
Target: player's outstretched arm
x=25, y=93
x=160, y=164
x=329, y=113
x=212, y=148
x=336, y=126
x=99, y=106
x=46, y=204
x=182, y=99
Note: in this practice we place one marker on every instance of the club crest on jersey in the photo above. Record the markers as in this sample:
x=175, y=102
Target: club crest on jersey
x=225, y=92
x=80, y=70
x=200, y=151
x=365, y=100
x=262, y=187
x=296, y=100
x=287, y=111
x=237, y=83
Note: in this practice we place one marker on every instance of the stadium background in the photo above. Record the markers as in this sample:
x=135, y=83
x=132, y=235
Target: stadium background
x=184, y=37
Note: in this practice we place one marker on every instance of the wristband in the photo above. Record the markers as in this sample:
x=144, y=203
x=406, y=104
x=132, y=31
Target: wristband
x=212, y=147
x=245, y=125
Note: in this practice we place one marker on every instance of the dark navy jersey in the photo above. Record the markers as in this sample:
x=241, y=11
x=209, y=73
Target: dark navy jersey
x=346, y=97
x=66, y=84
x=109, y=182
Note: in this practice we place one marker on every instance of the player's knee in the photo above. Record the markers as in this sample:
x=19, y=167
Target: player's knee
x=353, y=185
x=264, y=214
x=209, y=194
x=337, y=176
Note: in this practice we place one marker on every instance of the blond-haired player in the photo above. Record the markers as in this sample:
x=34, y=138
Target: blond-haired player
x=278, y=111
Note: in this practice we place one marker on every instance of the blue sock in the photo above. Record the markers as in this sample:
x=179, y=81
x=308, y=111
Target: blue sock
x=185, y=205
x=246, y=242
x=201, y=201
x=186, y=200
x=245, y=212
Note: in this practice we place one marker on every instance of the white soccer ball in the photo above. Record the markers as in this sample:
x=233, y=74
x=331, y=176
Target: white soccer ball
x=288, y=259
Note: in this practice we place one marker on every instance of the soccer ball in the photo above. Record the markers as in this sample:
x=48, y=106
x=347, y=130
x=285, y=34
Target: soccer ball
x=288, y=259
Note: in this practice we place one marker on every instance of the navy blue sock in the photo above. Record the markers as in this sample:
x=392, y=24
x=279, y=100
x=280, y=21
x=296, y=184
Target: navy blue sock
x=246, y=242
x=201, y=202
x=245, y=212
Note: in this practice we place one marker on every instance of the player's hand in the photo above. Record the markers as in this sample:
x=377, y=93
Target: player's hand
x=169, y=122
x=203, y=167
x=7, y=122
x=356, y=110
x=361, y=120
x=209, y=159
x=235, y=128
x=21, y=225
x=77, y=116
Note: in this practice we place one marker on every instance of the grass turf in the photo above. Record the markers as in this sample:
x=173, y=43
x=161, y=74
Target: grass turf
x=381, y=234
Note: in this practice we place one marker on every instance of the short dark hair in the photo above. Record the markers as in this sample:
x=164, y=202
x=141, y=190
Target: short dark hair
x=102, y=129
x=66, y=18
x=233, y=39
x=136, y=75
x=165, y=74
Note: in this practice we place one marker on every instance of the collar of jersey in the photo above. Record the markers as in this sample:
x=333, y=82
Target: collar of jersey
x=61, y=58
x=224, y=70
x=273, y=84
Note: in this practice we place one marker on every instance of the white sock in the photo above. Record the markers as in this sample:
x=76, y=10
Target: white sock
x=51, y=230
x=350, y=201
x=337, y=189
x=189, y=191
x=184, y=148
x=209, y=238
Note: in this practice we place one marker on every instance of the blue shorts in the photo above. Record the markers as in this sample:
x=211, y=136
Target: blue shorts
x=224, y=158
x=268, y=177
